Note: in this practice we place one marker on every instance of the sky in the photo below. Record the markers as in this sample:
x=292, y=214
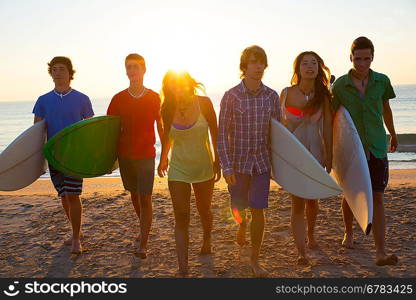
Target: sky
x=205, y=38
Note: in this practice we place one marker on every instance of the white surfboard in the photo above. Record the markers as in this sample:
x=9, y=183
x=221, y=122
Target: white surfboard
x=22, y=162
x=295, y=169
x=351, y=169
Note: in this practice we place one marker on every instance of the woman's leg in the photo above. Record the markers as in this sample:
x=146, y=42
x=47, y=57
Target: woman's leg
x=181, y=197
x=312, y=208
x=203, y=195
x=298, y=227
x=146, y=216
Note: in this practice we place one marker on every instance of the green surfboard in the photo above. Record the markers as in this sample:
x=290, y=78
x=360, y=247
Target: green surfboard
x=85, y=149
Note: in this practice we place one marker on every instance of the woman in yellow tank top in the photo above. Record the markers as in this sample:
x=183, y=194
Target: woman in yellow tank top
x=187, y=119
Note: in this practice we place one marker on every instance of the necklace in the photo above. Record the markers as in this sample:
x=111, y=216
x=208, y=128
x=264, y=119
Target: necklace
x=307, y=95
x=62, y=95
x=182, y=111
x=143, y=91
x=362, y=80
x=186, y=105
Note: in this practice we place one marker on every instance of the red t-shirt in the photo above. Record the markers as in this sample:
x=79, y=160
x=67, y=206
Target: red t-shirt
x=138, y=116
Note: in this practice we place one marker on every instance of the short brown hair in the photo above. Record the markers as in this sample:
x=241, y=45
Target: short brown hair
x=362, y=43
x=62, y=60
x=136, y=57
x=258, y=53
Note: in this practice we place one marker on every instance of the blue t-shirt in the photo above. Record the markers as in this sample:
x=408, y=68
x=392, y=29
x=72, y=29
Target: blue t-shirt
x=62, y=111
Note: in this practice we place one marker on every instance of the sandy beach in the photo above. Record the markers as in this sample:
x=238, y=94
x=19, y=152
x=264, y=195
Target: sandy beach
x=33, y=228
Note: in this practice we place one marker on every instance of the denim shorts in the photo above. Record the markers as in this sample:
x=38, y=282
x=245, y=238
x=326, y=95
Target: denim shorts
x=250, y=191
x=137, y=174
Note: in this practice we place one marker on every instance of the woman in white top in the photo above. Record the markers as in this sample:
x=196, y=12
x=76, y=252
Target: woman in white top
x=306, y=112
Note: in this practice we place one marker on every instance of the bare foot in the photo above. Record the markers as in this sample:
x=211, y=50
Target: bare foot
x=386, y=260
x=182, y=274
x=348, y=241
x=68, y=242
x=302, y=261
x=241, y=235
x=312, y=244
x=183, y=271
x=258, y=270
x=244, y=254
x=206, y=247
x=136, y=242
x=141, y=252
x=76, y=247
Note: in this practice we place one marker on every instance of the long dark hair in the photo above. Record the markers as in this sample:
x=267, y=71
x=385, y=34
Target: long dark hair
x=169, y=104
x=322, y=81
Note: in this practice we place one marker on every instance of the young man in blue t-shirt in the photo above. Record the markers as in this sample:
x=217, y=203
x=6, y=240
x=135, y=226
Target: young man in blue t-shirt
x=60, y=108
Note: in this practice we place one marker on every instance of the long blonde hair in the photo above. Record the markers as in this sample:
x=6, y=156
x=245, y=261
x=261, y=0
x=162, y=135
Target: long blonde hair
x=185, y=81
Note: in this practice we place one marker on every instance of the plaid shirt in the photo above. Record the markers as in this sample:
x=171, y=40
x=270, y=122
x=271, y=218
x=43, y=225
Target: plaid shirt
x=244, y=128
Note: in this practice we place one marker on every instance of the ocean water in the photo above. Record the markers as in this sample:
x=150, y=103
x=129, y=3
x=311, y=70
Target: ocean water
x=17, y=116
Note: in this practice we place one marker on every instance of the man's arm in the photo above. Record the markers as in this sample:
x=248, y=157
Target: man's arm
x=158, y=118
x=328, y=134
x=162, y=168
x=87, y=111
x=209, y=112
x=335, y=100
x=37, y=119
x=38, y=111
x=388, y=120
x=223, y=128
x=276, y=111
x=159, y=125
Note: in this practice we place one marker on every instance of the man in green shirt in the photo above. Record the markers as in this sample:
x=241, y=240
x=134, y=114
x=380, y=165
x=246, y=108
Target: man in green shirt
x=365, y=94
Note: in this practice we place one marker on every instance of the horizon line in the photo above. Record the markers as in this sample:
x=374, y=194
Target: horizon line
x=212, y=93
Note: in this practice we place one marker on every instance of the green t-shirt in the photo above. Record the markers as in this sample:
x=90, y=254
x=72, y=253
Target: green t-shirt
x=366, y=112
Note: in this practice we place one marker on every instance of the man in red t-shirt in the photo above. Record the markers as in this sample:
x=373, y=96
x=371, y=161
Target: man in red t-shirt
x=139, y=109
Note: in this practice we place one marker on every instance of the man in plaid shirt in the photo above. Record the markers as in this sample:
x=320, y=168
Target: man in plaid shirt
x=244, y=147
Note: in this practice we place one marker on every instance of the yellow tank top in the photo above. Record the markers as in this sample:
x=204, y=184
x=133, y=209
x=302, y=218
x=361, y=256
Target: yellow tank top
x=191, y=156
